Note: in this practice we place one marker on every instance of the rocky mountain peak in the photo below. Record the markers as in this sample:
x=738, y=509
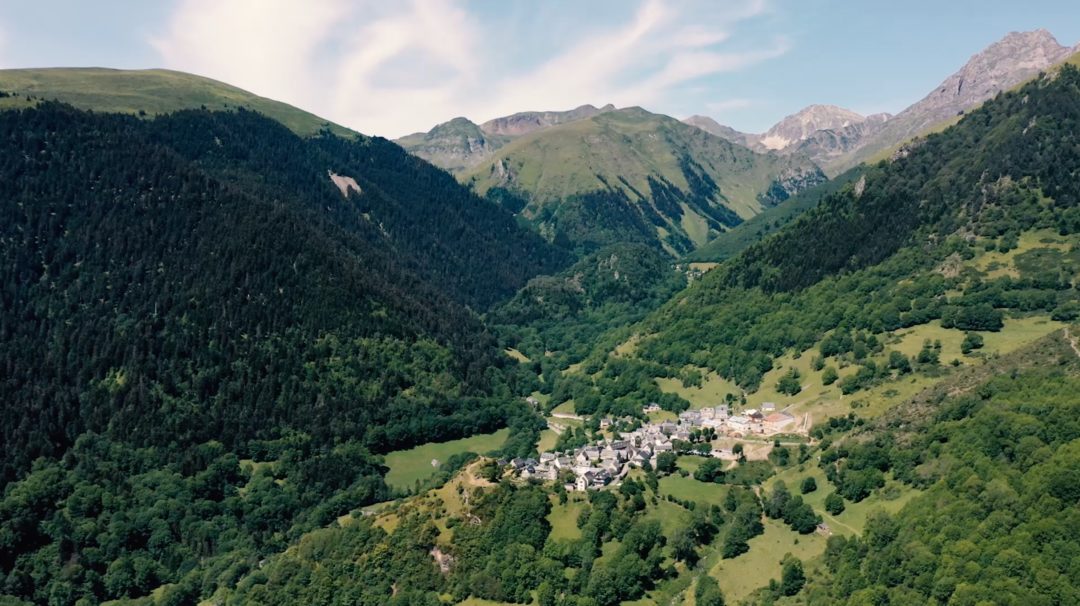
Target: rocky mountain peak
x=713, y=127
x=802, y=124
x=1004, y=64
x=523, y=123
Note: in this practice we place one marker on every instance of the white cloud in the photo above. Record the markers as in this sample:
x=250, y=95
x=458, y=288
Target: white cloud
x=267, y=46
x=390, y=69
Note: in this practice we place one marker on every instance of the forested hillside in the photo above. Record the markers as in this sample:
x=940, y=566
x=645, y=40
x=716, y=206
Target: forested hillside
x=753, y=230
x=899, y=313
x=557, y=319
x=907, y=244
x=987, y=460
x=998, y=460
x=184, y=293
x=212, y=329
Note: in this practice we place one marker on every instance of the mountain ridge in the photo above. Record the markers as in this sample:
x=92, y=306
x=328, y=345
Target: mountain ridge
x=150, y=91
x=460, y=144
x=648, y=176
x=837, y=146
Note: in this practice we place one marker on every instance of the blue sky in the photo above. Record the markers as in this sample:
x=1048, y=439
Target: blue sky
x=390, y=68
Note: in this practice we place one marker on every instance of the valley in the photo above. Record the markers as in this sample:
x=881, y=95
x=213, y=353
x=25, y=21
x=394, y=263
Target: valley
x=590, y=357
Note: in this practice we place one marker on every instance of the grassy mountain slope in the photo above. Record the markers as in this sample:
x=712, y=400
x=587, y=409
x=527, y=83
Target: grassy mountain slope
x=153, y=91
x=460, y=144
x=972, y=230
x=738, y=238
x=639, y=176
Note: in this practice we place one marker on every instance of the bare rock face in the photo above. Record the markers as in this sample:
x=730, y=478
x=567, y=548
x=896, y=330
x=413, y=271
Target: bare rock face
x=788, y=134
x=524, y=123
x=826, y=145
x=1017, y=57
x=838, y=139
x=455, y=145
x=799, y=126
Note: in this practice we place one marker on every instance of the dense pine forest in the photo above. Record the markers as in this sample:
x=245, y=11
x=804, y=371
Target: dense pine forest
x=188, y=291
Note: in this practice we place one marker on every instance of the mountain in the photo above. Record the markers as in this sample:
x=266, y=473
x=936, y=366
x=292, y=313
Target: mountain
x=913, y=327
x=207, y=226
x=838, y=139
x=907, y=243
x=833, y=145
x=456, y=145
x=185, y=291
x=793, y=131
x=524, y=123
x=1004, y=64
x=557, y=319
x=807, y=121
x=713, y=127
x=460, y=144
x=631, y=175
x=151, y=91
x=737, y=239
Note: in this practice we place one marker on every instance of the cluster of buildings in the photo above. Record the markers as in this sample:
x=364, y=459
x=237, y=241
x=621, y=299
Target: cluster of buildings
x=766, y=421
x=594, y=466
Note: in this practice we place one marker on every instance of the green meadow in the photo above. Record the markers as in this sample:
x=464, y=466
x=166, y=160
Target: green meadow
x=408, y=466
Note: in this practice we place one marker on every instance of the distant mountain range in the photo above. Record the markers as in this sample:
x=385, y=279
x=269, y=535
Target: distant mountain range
x=592, y=176
x=837, y=138
x=461, y=144
x=632, y=175
x=662, y=183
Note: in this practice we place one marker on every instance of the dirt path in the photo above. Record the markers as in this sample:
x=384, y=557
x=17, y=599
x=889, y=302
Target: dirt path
x=833, y=523
x=566, y=415
x=1072, y=343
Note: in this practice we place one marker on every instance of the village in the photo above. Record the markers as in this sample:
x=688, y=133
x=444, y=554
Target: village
x=608, y=460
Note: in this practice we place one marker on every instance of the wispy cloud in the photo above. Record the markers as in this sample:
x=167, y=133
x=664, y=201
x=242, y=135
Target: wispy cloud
x=390, y=69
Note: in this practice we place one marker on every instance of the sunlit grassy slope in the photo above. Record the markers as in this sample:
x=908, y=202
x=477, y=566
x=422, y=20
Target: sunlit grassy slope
x=408, y=466
x=153, y=91
x=622, y=150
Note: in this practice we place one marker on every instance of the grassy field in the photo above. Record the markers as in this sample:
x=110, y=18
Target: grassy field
x=154, y=91
x=740, y=576
x=891, y=498
x=563, y=518
x=690, y=489
x=408, y=466
x=566, y=407
x=660, y=416
x=480, y=602
x=517, y=355
x=671, y=516
x=712, y=391
x=547, y=440
x=820, y=401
